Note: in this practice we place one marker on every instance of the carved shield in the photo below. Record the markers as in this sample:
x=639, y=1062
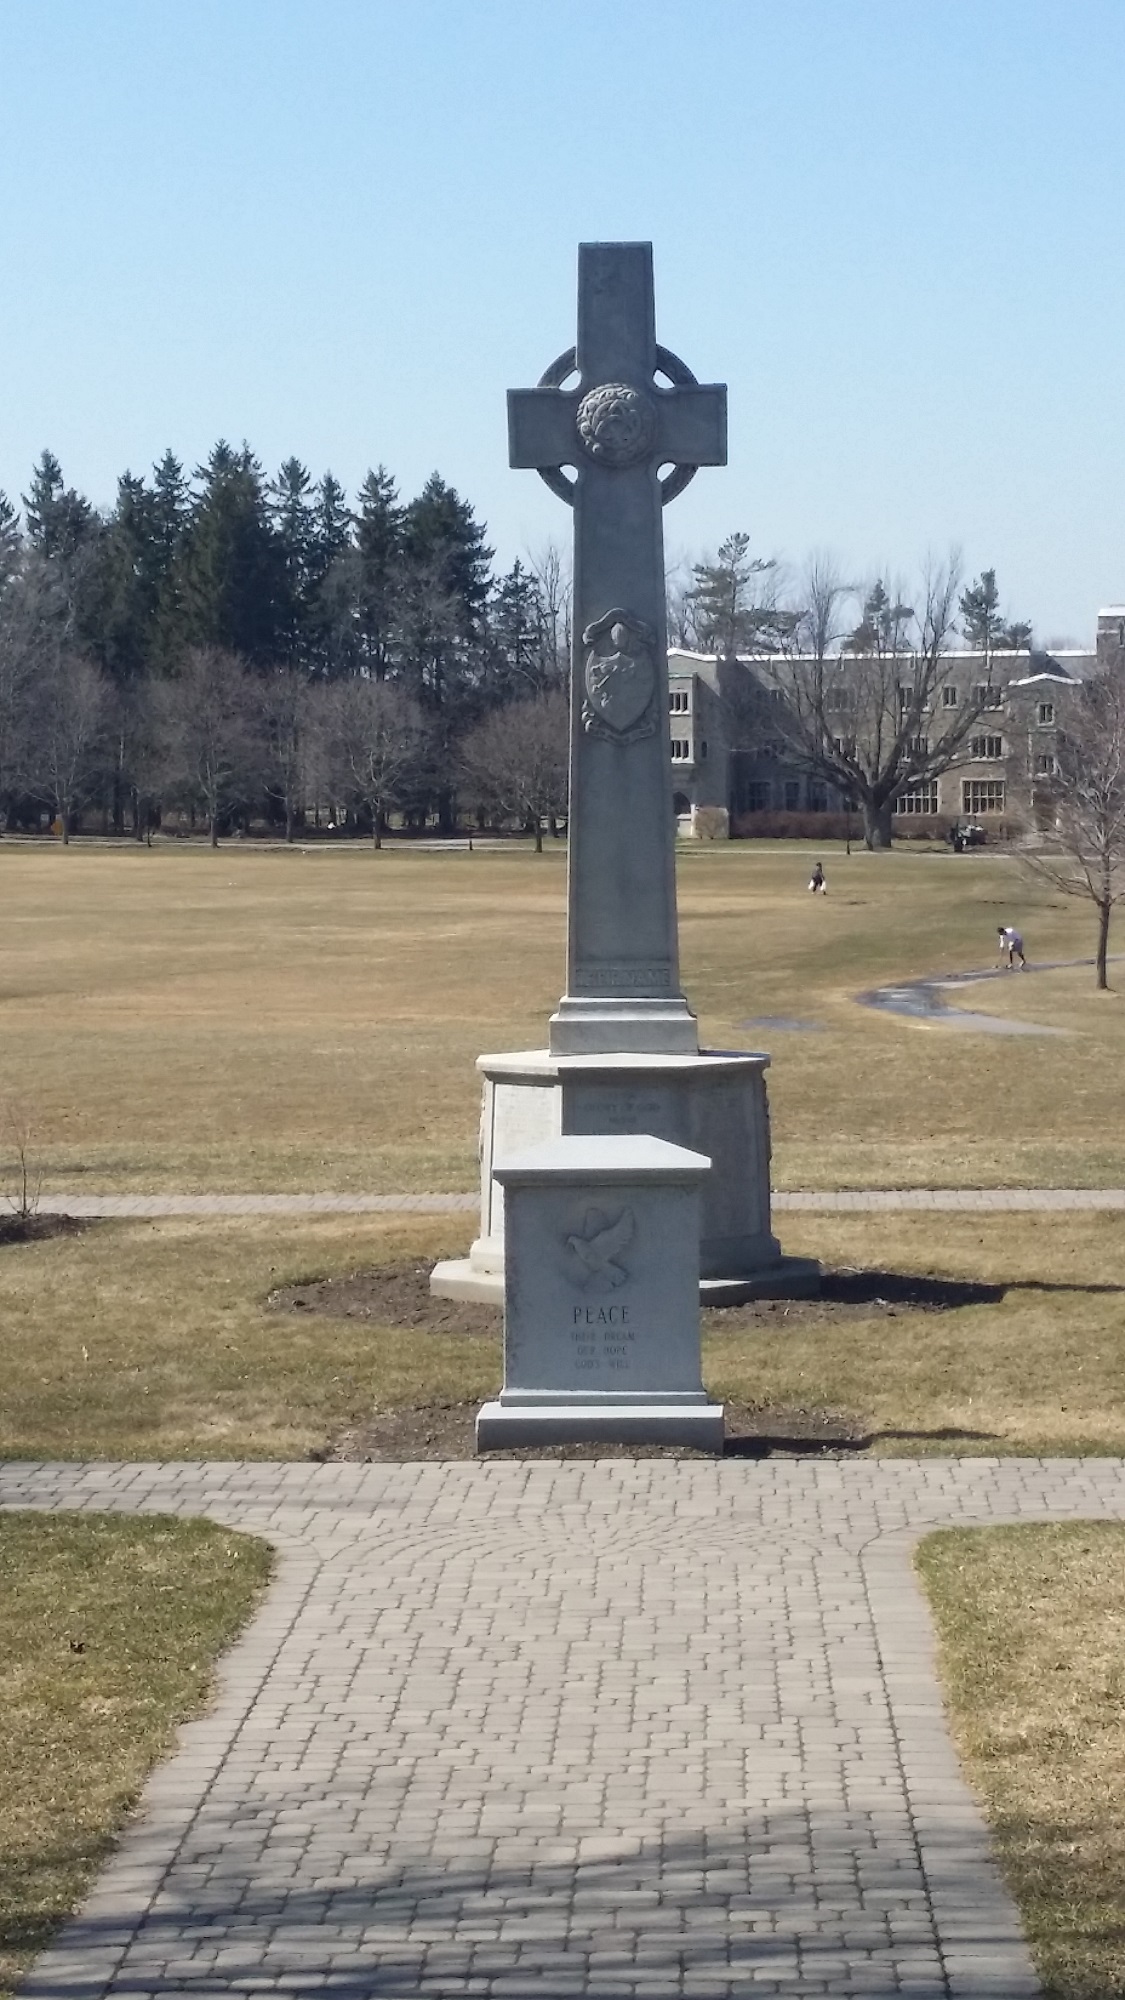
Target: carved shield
x=619, y=687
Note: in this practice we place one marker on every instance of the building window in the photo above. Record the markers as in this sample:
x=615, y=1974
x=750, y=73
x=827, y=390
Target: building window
x=904, y=694
x=818, y=797
x=981, y=795
x=924, y=799
x=757, y=796
x=774, y=694
x=1046, y=714
x=986, y=746
x=792, y=795
x=988, y=696
x=919, y=746
x=948, y=696
x=679, y=701
x=772, y=748
x=703, y=748
x=1046, y=766
x=681, y=750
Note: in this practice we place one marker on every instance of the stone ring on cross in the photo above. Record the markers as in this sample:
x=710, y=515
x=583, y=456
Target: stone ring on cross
x=616, y=423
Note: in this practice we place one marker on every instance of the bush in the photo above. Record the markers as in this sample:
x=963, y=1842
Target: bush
x=794, y=826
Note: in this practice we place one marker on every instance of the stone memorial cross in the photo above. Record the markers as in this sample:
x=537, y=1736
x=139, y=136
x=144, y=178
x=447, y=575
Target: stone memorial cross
x=618, y=427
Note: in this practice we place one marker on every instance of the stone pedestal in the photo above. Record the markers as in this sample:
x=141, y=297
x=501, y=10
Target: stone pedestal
x=601, y=1300
x=713, y=1102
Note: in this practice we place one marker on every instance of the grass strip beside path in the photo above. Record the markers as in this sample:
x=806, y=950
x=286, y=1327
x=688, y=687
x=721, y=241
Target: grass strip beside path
x=109, y=1631
x=1031, y=1623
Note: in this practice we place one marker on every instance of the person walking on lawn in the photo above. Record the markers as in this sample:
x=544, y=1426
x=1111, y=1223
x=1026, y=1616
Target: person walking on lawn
x=1011, y=943
x=817, y=883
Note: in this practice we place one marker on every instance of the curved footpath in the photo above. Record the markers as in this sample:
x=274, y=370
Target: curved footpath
x=93, y=1207
x=610, y=1728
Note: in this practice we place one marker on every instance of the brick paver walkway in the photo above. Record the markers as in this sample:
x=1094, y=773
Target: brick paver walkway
x=616, y=1728
x=94, y=1206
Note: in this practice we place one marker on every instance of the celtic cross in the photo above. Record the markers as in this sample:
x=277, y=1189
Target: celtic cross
x=618, y=427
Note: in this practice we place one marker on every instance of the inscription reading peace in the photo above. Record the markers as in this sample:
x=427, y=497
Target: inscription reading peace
x=617, y=424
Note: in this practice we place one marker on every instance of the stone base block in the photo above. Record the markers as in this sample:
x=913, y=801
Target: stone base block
x=713, y=1102
x=698, y=1425
x=784, y=1278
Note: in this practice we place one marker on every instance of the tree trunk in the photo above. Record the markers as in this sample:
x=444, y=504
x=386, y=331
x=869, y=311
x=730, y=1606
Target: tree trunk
x=876, y=825
x=1104, y=909
x=213, y=829
x=290, y=820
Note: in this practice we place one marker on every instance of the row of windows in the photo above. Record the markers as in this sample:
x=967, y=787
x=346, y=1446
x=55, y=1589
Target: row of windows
x=681, y=750
x=985, y=696
x=978, y=796
x=760, y=796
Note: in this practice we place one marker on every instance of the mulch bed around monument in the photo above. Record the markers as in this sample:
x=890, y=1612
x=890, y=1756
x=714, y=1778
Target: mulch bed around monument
x=398, y=1295
x=446, y=1430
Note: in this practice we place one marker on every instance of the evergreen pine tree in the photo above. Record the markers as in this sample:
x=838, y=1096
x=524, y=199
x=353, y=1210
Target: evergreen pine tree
x=979, y=606
x=378, y=573
x=293, y=513
x=11, y=540
x=171, y=509
x=231, y=573
x=446, y=583
x=732, y=609
x=331, y=612
x=58, y=519
x=521, y=660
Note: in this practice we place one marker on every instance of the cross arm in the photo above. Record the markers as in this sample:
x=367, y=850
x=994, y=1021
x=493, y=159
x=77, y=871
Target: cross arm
x=692, y=424
x=541, y=427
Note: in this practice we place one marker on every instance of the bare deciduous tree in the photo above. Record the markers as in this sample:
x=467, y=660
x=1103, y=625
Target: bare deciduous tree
x=70, y=706
x=283, y=711
x=19, y=1164
x=872, y=721
x=374, y=746
x=516, y=761
x=1085, y=802
x=206, y=720
x=551, y=570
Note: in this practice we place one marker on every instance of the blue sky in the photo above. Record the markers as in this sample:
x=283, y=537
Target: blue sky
x=342, y=228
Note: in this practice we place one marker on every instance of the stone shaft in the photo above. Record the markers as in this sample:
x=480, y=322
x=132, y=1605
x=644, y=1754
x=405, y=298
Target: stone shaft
x=617, y=429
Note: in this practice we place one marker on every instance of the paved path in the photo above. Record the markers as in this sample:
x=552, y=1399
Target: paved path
x=635, y=1728
x=96, y=1206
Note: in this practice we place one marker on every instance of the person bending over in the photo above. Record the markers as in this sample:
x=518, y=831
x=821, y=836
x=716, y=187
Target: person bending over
x=1011, y=946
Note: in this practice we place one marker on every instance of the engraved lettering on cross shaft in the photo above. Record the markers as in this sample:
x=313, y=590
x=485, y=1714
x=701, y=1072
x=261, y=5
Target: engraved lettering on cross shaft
x=617, y=426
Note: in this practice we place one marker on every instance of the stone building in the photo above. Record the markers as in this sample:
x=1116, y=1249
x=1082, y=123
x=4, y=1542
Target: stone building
x=729, y=753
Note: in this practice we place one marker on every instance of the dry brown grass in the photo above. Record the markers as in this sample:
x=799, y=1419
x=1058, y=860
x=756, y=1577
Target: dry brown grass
x=257, y=1019
x=153, y=1340
x=1032, y=1630
x=109, y=1629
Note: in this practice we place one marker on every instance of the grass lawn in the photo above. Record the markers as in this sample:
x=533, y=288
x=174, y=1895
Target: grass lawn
x=109, y=1629
x=153, y=1339
x=1032, y=1634
x=273, y=1020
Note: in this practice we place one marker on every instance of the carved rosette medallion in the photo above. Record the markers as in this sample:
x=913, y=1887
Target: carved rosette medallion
x=619, y=680
x=617, y=425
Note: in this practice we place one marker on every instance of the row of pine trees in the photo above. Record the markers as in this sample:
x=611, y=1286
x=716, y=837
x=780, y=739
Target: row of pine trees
x=126, y=634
